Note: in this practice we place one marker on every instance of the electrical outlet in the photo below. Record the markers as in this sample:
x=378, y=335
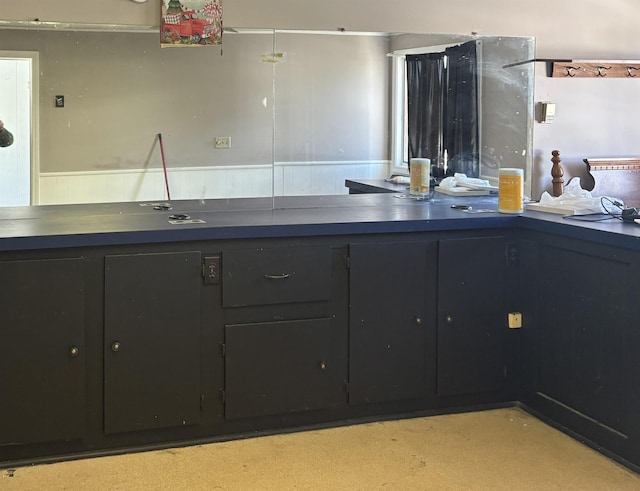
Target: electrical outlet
x=223, y=142
x=515, y=320
x=211, y=270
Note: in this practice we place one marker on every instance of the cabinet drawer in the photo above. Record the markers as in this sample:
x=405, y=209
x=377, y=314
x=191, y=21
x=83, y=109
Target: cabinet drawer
x=276, y=275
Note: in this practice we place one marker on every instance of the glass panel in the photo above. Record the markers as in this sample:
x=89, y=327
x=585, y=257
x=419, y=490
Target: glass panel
x=332, y=111
x=341, y=106
x=301, y=111
x=122, y=90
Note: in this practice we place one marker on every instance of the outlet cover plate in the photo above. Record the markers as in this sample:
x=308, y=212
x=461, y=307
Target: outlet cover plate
x=223, y=142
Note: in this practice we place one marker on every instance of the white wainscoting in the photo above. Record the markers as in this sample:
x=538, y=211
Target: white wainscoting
x=246, y=181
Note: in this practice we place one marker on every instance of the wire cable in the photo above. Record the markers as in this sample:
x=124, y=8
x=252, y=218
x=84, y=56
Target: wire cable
x=602, y=216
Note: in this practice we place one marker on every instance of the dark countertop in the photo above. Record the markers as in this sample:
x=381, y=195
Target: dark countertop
x=61, y=226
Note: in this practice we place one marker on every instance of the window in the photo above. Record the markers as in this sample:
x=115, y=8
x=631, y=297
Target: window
x=399, y=142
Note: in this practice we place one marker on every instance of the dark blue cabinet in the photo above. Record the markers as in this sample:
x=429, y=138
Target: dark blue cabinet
x=586, y=342
x=152, y=341
x=42, y=353
x=392, y=321
x=285, y=329
x=472, y=315
x=129, y=345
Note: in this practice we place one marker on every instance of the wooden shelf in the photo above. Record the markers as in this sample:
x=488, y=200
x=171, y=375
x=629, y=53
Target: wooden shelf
x=595, y=69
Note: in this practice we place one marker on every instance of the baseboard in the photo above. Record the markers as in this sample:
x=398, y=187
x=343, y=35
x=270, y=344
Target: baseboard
x=578, y=436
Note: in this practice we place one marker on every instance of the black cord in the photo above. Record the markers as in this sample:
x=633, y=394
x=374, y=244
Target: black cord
x=615, y=203
x=598, y=217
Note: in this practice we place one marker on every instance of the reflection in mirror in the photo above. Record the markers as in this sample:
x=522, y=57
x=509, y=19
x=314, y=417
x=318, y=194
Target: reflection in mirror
x=303, y=110
x=121, y=90
x=332, y=110
x=342, y=111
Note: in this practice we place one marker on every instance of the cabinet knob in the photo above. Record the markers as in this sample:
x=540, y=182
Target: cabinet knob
x=74, y=351
x=115, y=346
x=418, y=320
x=449, y=319
x=323, y=365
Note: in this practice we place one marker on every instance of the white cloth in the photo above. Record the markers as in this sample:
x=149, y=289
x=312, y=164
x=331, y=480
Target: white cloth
x=581, y=200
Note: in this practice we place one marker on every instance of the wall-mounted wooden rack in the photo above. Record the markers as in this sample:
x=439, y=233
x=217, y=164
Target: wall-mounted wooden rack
x=595, y=69
x=585, y=68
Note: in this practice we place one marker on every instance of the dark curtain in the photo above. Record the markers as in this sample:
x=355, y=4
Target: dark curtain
x=461, y=107
x=442, y=108
x=425, y=105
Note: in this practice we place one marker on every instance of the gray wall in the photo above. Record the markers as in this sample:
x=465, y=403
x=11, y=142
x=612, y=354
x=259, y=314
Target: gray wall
x=570, y=28
x=594, y=118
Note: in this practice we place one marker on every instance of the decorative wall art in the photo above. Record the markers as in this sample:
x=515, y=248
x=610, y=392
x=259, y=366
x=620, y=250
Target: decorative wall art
x=191, y=23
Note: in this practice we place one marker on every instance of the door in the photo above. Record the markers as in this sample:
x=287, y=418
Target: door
x=42, y=353
x=16, y=86
x=587, y=336
x=152, y=341
x=282, y=367
x=472, y=317
x=392, y=321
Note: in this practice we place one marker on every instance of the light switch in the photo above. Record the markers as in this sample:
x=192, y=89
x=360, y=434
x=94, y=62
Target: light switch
x=59, y=101
x=547, y=112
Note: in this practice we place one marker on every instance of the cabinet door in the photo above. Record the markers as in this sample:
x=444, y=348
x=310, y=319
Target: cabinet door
x=152, y=341
x=587, y=336
x=471, y=315
x=42, y=358
x=392, y=301
x=282, y=367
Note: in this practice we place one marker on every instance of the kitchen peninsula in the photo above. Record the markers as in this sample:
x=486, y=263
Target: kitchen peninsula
x=129, y=326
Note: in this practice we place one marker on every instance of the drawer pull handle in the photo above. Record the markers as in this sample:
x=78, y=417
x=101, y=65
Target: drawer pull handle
x=74, y=351
x=115, y=346
x=277, y=276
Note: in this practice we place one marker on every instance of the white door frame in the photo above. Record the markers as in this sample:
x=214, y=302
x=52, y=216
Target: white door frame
x=35, y=117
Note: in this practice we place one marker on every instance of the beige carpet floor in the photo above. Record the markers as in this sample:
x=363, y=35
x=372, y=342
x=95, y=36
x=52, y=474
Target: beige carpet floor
x=505, y=449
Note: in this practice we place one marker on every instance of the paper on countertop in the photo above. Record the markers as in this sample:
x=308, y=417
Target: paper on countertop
x=398, y=179
x=462, y=181
x=459, y=191
x=576, y=201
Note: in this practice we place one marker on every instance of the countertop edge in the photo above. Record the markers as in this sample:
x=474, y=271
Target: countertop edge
x=127, y=223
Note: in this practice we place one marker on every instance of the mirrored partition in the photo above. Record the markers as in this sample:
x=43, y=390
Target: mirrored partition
x=332, y=111
x=271, y=114
x=342, y=109
x=122, y=90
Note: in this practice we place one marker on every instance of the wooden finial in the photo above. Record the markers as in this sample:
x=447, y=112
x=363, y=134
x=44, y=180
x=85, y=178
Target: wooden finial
x=556, y=173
